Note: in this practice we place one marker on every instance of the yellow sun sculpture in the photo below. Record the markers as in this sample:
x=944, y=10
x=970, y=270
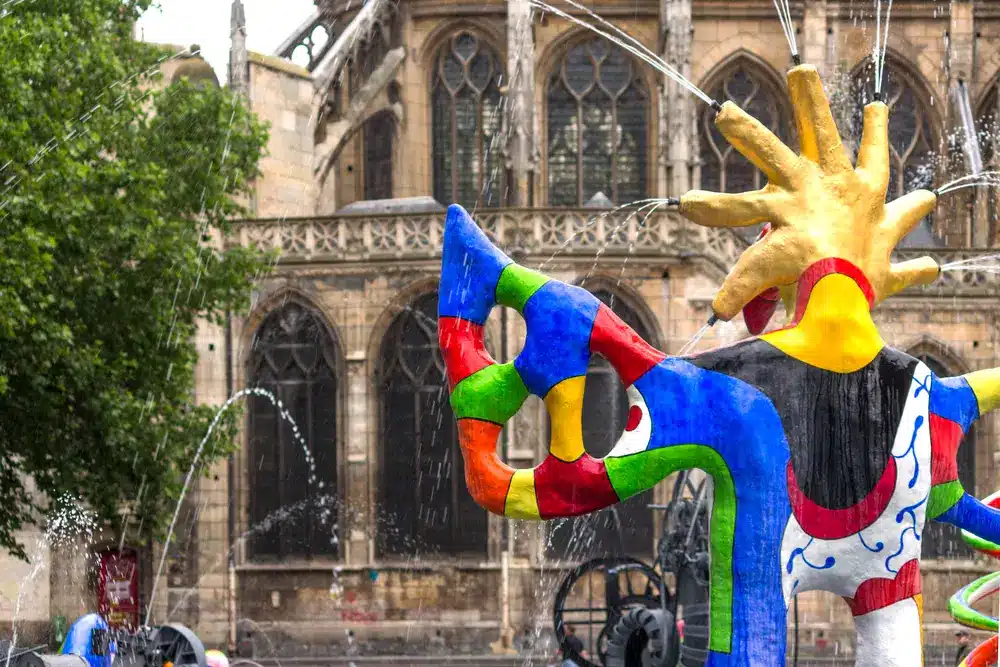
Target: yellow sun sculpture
x=818, y=204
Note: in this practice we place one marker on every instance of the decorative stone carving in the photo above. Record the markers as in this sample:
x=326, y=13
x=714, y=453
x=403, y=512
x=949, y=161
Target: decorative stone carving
x=539, y=233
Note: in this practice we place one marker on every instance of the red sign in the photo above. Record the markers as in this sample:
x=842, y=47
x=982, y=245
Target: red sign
x=118, y=589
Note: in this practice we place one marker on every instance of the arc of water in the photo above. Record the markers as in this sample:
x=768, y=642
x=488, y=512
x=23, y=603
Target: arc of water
x=268, y=522
x=594, y=218
x=881, y=41
x=250, y=391
x=657, y=63
x=982, y=179
x=970, y=261
x=610, y=237
x=67, y=521
x=618, y=31
x=970, y=143
x=785, y=18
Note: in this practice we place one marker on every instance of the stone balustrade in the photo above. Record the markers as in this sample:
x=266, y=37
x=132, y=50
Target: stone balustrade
x=537, y=235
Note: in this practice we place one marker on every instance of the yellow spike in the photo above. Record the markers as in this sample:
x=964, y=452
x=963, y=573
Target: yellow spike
x=758, y=144
x=986, y=386
x=873, y=153
x=818, y=135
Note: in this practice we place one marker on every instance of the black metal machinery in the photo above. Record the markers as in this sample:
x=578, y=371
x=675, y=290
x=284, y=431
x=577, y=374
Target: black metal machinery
x=634, y=607
x=173, y=645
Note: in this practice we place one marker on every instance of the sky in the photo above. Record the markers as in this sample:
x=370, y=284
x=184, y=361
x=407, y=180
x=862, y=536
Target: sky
x=206, y=22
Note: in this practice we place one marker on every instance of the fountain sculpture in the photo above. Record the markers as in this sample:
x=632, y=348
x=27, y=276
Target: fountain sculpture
x=828, y=449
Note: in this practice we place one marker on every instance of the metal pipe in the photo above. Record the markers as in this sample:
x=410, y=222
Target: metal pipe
x=795, y=654
x=507, y=534
x=505, y=597
x=231, y=482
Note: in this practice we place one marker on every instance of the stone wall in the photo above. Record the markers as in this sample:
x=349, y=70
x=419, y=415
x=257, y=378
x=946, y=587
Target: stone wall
x=281, y=94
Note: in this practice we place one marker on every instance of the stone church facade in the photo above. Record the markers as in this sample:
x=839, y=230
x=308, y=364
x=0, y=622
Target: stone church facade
x=537, y=126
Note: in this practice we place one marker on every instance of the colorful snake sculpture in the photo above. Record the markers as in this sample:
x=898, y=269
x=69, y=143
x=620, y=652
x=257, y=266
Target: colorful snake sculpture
x=828, y=449
x=961, y=603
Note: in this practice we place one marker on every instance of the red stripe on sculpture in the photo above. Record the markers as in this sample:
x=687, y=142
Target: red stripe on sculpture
x=877, y=594
x=946, y=436
x=823, y=268
x=624, y=348
x=463, y=349
x=570, y=489
x=834, y=524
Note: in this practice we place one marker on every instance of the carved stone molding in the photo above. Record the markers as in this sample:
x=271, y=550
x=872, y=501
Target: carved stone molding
x=538, y=234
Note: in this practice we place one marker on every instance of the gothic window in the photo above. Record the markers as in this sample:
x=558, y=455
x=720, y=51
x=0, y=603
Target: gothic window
x=293, y=458
x=380, y=132
x=723, y=169
x=911, y=138
x=605, y=412
x=424, y=508
x=942, y=540
x=465, y=106
x=597, y=125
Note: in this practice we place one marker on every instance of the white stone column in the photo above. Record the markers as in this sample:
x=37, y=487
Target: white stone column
x=521, y=148
x=212, y=530
x=961, y=67
x=355, y=540
x=678, y=108
x=812, y=41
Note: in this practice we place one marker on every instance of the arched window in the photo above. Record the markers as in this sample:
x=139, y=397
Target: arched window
x=723, y=169
x=942, y=540
x=295, y=360
x=425, y=507
x=380, y=131
x=465, y=101
x=597, y=126
x=605, y=412
x=911, y=137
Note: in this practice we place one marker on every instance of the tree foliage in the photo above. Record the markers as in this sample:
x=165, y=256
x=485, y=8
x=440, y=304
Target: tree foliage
x=113, y=187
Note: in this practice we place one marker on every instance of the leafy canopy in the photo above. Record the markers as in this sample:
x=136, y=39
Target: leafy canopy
x=112, y=187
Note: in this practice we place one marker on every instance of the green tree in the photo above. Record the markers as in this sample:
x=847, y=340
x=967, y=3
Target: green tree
x=112, y=188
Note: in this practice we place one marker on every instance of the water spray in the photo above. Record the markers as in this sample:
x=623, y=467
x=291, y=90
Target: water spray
x=633, y=46
x=881, y=40
x=785, y=18
x=984, y=179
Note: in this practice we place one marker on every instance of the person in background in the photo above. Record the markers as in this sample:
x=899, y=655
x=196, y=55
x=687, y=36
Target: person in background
x=962, y=637
x=572, y=647
x=437, y=642
x=525, y=642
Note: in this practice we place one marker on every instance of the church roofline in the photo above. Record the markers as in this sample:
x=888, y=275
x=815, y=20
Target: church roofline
x=280, y=64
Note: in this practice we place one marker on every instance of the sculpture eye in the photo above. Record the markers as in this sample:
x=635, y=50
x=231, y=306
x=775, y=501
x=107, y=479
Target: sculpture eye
x=634, y=417
x=638, y=427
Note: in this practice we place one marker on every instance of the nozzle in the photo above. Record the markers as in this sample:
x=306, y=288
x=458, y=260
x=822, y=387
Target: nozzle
x=712, y=320
x=716, y=106
x=796, y=59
